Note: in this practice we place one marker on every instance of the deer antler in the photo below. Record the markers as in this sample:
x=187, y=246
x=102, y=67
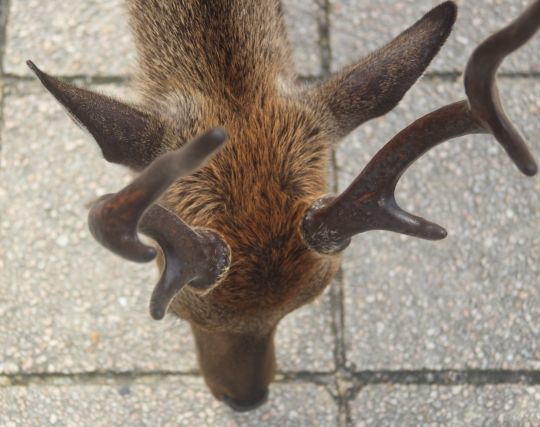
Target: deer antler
x=369, y=202
x=127, y=135
x=198, y=258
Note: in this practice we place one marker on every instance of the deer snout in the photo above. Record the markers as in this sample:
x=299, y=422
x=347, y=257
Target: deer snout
x=238, y=368
x=248, y=405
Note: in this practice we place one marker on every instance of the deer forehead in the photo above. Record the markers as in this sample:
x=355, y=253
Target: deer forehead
x=273, y=163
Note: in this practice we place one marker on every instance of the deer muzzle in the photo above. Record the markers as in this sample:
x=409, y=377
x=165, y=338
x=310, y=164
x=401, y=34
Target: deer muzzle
x=237, y=368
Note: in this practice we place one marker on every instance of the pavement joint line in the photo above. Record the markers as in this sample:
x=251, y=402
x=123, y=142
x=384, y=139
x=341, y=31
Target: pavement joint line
x=342, y=380
x=4, y=15
x=2, y=103
x=4, y=19
x=88, y=378
x=449, y=377
x=457, y=75
x=113, y=377
x=342, y=377
x=10, y=79
x=324, y=36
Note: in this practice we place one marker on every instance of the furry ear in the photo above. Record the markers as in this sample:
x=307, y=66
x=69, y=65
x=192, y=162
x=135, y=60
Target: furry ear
x=125, y=135
x=375, y=85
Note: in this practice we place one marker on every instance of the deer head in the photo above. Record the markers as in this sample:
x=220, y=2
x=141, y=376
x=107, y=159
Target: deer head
x=244, y=230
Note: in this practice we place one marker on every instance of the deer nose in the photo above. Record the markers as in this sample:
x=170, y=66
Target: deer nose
x=244, y=406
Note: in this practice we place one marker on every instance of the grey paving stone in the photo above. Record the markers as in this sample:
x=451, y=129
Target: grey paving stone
x=164, y=403
x=68, y=305
x=69, y=37
x=361, y=26
x=408, y=406
x=473, y=299
x=92, y=37
x=304, y=341
x=1, y=108
x=301, y=17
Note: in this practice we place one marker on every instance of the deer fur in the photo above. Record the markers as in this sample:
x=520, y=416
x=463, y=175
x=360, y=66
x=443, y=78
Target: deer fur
x=257, y=189
x=228, y=63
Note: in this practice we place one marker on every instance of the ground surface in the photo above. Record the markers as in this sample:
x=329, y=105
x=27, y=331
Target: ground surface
x=411, y=332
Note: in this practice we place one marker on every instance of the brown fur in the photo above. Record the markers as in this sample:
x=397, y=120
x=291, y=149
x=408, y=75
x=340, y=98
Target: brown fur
x=205, y=63
x=257, y=189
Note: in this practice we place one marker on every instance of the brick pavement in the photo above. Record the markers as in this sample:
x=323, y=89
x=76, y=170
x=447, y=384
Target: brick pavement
x=411, y=332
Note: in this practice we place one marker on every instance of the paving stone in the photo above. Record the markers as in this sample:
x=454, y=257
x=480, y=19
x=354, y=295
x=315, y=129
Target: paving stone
x=471, y=300
x=304, y=340
x=92, y=37
x=301, y=17
x=1, y=108
x=161, y=403
x=362, y=26
x=69, y=37
x=411, y=406
x=69, y=305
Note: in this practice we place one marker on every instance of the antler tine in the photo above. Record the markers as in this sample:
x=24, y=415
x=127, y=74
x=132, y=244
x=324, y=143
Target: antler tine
x=198, y=258
x=113, y=218
x=369, y=202
x=481, y=86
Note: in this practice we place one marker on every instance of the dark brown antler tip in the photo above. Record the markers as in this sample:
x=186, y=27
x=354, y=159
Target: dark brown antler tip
x=514, y=145
x=219, y=135
x=405, y=223
x=530, y=169
x=157, y=312
x=435, y=232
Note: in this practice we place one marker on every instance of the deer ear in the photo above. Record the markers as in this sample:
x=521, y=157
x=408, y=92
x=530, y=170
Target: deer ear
x=125, y=135
x=375, y=85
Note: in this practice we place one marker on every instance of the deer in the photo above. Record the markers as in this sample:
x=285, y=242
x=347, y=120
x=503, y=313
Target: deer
x=230, y=150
